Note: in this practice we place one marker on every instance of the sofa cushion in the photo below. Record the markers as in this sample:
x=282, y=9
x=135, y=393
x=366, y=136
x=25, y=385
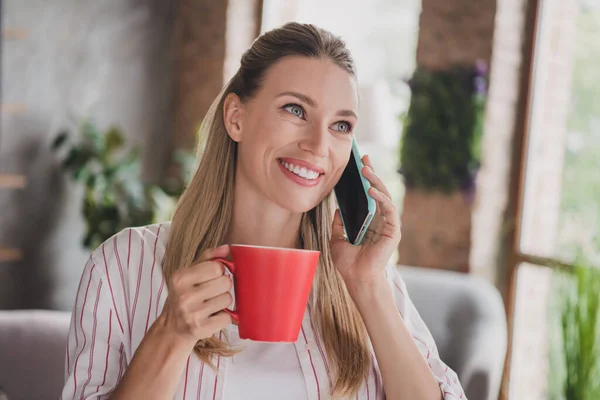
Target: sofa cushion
x=32, y=353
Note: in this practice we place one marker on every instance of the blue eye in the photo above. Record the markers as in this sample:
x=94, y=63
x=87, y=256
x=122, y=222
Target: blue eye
x=343, y=126
x=295, y=110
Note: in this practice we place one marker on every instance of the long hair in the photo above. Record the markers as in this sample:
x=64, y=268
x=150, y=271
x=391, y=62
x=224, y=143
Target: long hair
x=203, y=212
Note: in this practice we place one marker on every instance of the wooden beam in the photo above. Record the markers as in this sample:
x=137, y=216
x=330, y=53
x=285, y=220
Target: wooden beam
x=14, y=34
x=514, y=212
x=13, y=108
x=205, y=51
x=9, y=254
x=543, y=261
x=13, y=181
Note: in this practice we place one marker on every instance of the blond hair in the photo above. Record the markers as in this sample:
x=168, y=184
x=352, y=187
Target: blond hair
x=203, y=213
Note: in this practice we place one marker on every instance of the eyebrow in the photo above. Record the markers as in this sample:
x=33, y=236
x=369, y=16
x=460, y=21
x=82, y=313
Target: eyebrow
x=306, y=99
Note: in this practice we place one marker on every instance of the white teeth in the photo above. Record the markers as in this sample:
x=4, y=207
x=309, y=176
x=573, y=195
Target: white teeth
x=300, y=171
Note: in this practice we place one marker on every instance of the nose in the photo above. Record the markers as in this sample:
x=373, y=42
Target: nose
x=316, y=142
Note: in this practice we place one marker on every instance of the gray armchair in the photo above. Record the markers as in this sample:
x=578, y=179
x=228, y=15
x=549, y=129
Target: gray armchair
x=465, y=316
x=467, y=320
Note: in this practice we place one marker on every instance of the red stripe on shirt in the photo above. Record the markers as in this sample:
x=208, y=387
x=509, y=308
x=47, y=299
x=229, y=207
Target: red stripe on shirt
x=137, y=289
x=107, y=349
x=187, y=367
x=313, y=366
x=198, y=393
x=152, y=280
x=399, y=288
x=423, y=343
x=125, y=297
x=162, y=285
x=94, y=327
x=320, y=350
x=217, y=373
x=129, y=249
x=68, y=355
x=82, y=331
x=111, y=290
x=75, y=323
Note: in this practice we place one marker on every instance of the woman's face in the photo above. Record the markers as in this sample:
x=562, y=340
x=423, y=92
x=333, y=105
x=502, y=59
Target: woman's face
x=295, y=135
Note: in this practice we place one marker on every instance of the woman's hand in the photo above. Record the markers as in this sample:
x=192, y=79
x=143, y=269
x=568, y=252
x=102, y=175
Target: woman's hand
x=363, y=265
x=197, y=296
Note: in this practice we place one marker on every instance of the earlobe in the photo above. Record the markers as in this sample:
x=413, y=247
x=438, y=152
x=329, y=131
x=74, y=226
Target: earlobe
x=232, y=116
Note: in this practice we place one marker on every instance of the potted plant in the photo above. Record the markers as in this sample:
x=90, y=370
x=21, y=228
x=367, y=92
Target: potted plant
x=440, y=153
x=574, y=372
x=115, y=196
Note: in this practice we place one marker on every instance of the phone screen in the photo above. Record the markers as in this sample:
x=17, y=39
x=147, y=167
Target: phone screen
x=352, y=199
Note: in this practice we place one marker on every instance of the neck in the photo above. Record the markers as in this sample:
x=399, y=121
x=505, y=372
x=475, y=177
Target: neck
x=257, y=221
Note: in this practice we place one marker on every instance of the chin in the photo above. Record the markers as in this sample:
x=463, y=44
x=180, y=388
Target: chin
x=298, y=205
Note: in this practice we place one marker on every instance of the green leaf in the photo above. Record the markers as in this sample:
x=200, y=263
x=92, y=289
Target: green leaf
x=92, y=137
x=71, y=159
x=113, y=140
x=59, y=140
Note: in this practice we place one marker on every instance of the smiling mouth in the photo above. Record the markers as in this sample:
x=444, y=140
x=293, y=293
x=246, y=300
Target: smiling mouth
x=302, y=172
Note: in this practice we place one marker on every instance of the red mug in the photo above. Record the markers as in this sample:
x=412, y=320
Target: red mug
x=272, y=286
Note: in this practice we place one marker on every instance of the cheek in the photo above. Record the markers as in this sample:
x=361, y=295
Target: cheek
x=335, y=177
x=339, y=162
x=271, y=131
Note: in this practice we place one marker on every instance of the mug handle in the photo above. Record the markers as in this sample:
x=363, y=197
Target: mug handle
x=231, y=267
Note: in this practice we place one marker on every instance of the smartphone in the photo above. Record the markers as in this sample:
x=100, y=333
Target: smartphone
x=357, y=207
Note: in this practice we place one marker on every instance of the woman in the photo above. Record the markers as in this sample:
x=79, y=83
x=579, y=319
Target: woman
x=149, y=322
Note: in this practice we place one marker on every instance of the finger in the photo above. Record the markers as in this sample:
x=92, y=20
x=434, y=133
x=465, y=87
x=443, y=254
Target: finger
x=197, y=274
x=337, y=229
x=375, y=181
x=365, y=171
x=389, y=212
x=194, y=299
x=216, y=304
x=218, y=321
x=213, y=288
x=367, y=161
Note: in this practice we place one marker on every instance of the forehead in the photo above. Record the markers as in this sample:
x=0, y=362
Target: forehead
x=319, y=78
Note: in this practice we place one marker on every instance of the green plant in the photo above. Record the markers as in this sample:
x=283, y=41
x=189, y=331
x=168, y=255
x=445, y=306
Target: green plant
x=575, y=357
x=441, y=143
x=115, y=197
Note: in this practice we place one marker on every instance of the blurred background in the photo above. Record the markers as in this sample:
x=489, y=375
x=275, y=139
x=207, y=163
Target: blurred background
x=482, y=117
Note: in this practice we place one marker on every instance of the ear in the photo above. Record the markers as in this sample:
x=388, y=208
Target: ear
x=233, y=110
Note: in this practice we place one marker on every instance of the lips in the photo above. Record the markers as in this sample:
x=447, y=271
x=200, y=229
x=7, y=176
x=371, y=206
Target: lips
x=301, y=172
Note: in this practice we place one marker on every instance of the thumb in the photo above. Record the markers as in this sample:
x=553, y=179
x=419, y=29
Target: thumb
x=337, y=228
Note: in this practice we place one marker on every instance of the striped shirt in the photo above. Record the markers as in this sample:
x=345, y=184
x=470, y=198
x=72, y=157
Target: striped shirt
x=121, y=293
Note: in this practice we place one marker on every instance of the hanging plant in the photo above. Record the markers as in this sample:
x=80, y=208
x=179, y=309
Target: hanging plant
x=440, y=148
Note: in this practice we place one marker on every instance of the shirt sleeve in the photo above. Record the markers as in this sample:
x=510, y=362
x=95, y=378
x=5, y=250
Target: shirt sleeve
x=95, y=359
x=447, y=379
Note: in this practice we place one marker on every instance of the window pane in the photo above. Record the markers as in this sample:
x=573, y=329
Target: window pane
x=562, y=188
x=529, y=365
